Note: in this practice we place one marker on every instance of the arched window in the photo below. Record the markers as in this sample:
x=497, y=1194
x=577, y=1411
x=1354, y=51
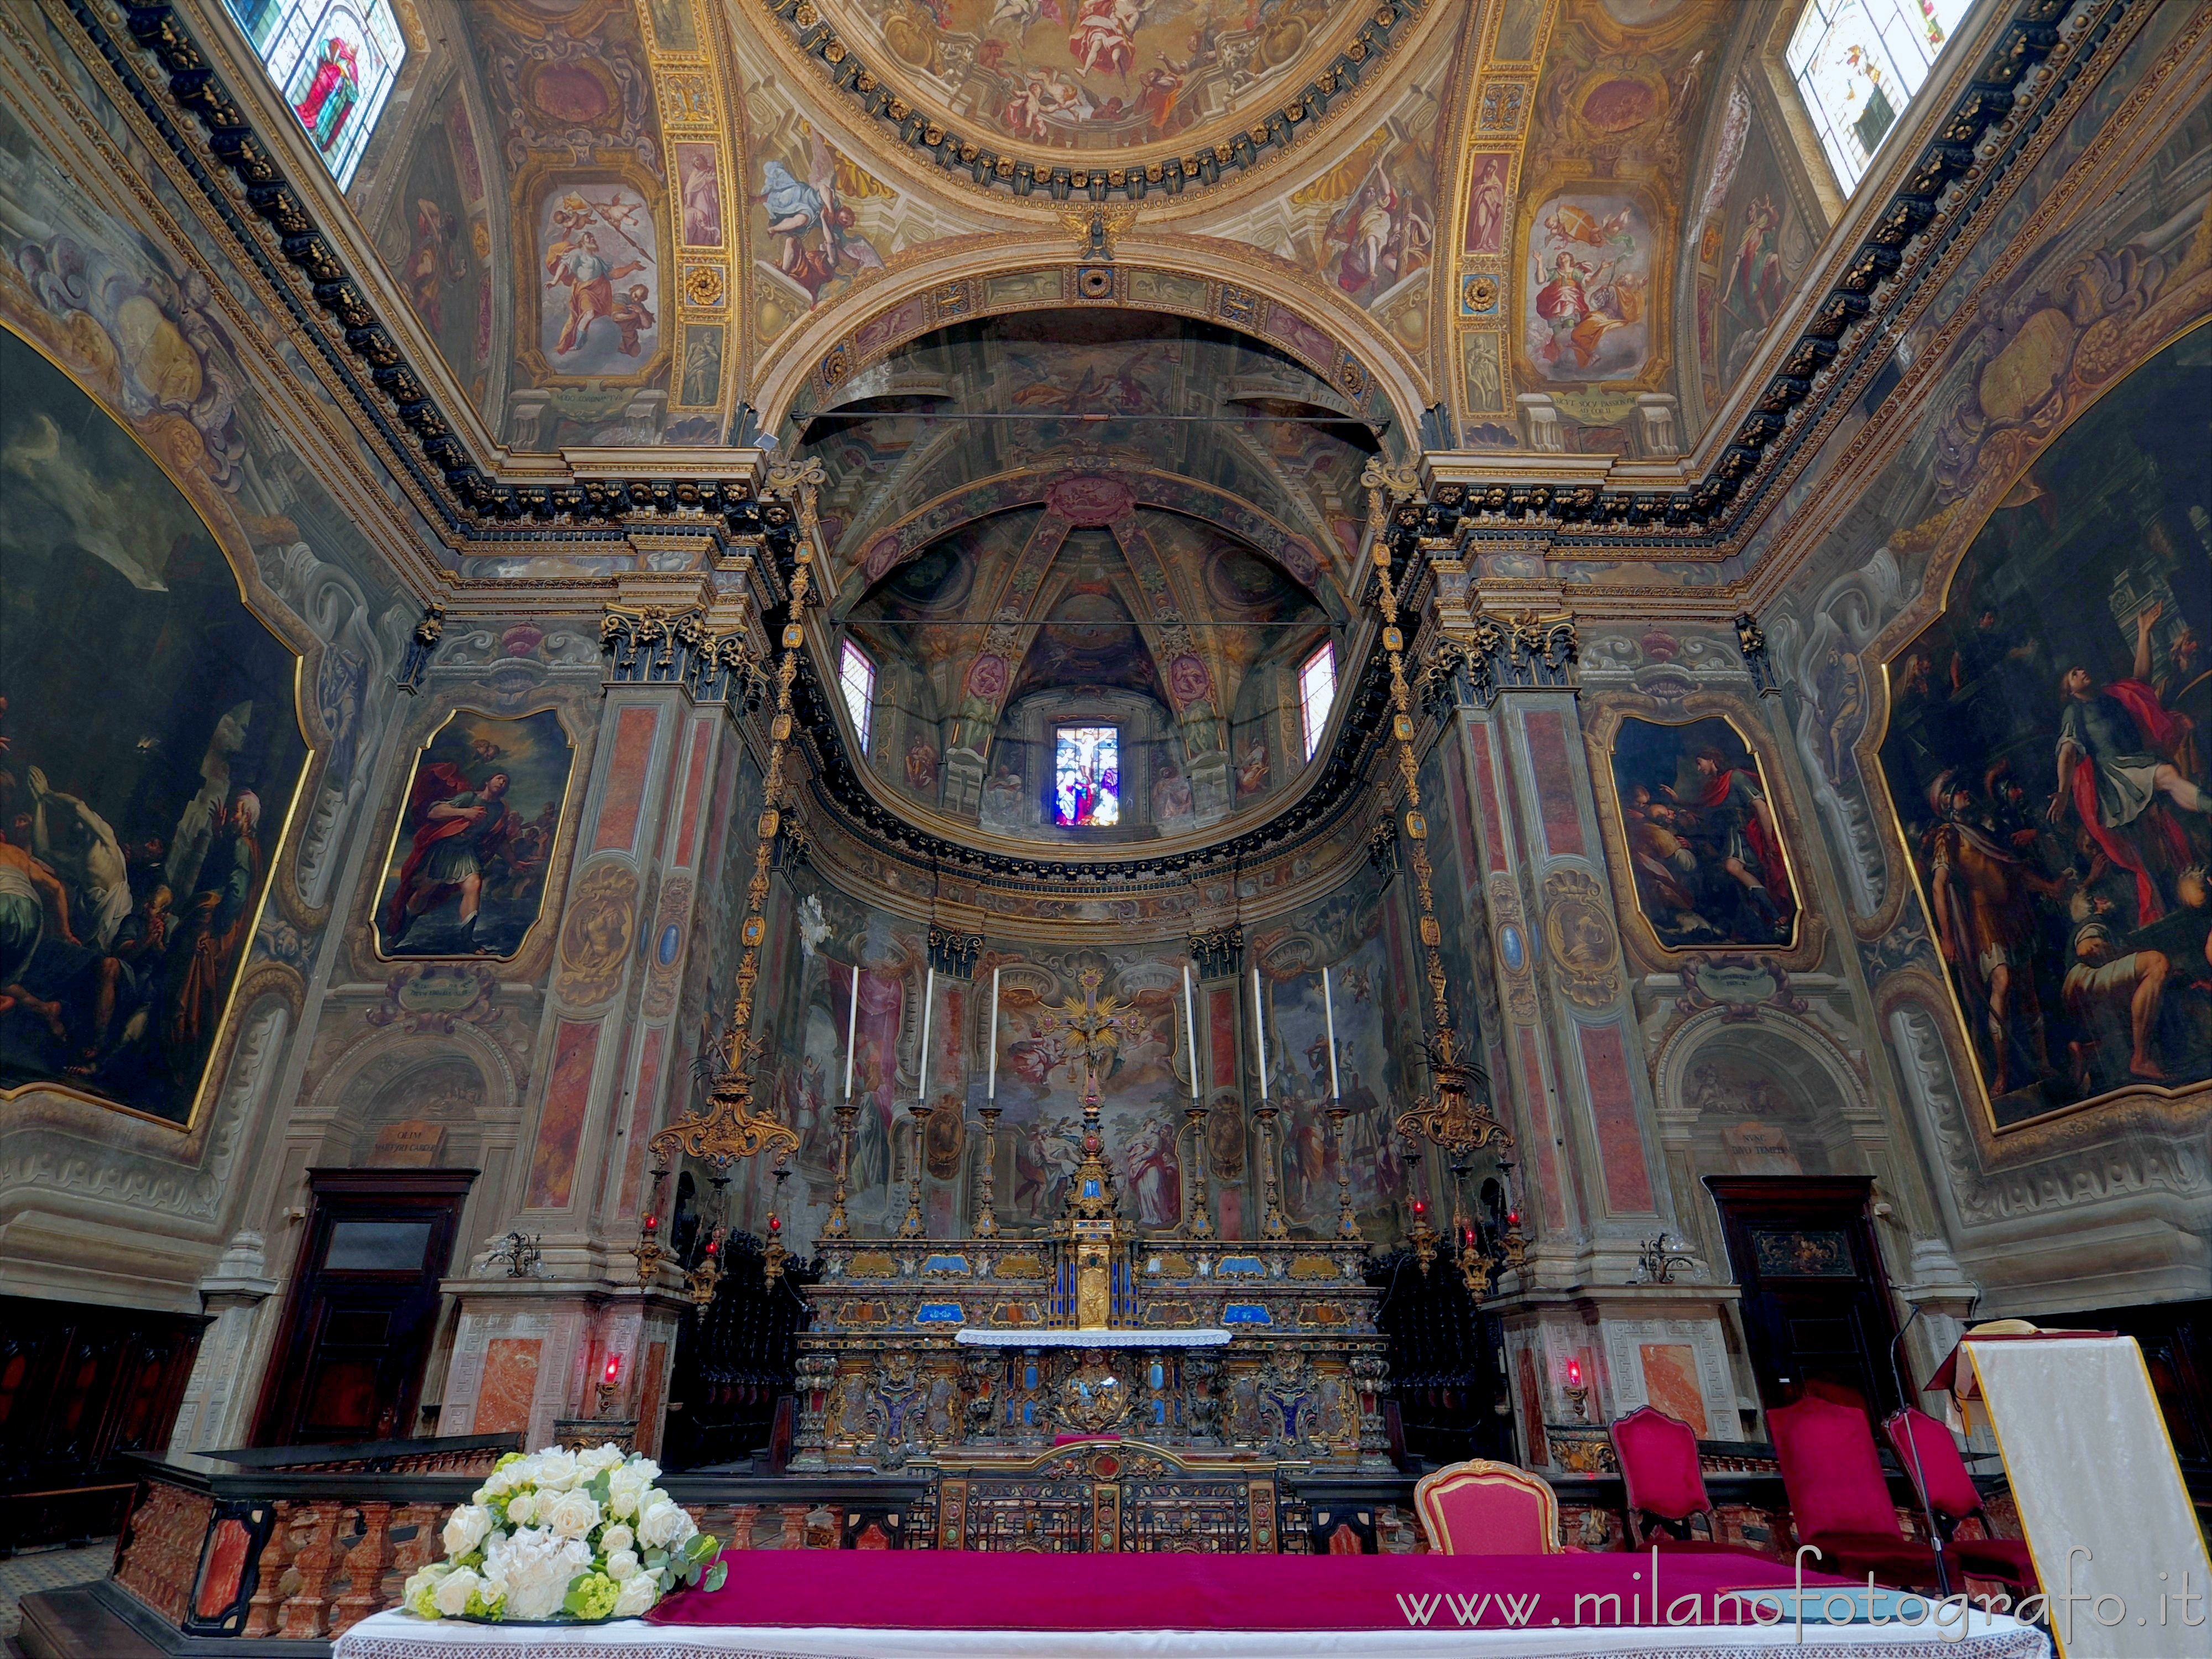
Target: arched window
x=334, y=61
x=857, y=675
x=1858, y=64
x=1316, y=693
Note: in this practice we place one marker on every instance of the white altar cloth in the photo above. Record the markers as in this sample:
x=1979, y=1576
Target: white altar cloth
x=1202, y=1336
x=401, y=1636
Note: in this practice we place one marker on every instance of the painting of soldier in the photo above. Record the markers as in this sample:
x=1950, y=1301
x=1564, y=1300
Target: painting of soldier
x=466, y=874
x=142, y=813
x=2047, y=756
x=1704, y=837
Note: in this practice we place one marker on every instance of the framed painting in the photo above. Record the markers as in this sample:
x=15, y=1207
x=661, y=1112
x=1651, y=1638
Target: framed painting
x=2046, y=760
x=141, y=811
x=1704, y=837
x=474, y=841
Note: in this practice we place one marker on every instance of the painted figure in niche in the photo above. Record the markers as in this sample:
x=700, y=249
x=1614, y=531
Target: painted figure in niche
x=140, y=813
x=1003, y=799
x=1485, y=205
x=2046, y=756
x=1155, y=1175
x=1252, y=767
x=1171, y=794
x=703, y=365
x=330, y=94
x=922, y=765
x=701, y=189
x=1702, y=838
x=476, y=837
x=1756, y=285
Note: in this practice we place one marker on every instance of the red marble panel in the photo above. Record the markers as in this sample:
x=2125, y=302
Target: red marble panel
x=1548, y=1194
x=1485, y=795
x=641, y=1122
x=1546, y=732
x=1613, y=1107
x=1221, y=1015
x=1670, y=1382
x=651, y=1388
x=623, y=798
x=1463, y=816
x=1532, y=1409
x=694, y=784
x=561, y=1126
x=510, y=1384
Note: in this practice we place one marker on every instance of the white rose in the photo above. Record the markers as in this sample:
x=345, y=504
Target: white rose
x=571, y=1514
x=557, y=1470
x=535, y=1568
x=646, y=1468
x=661, y=1525
x=639, y=1592
x=621, y=1563
x=524, y=1473
x=625, y=1488
x=466, y=1528
x=617, y=1537
x=454, y=1590
x=522, y=1508
x=601, y=1457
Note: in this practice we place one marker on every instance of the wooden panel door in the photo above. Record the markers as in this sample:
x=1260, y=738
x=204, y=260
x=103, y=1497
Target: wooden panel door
x=364, y=1306
x=1816, y=1307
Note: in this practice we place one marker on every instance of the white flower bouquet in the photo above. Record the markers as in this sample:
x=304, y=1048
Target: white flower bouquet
x=565, y=1537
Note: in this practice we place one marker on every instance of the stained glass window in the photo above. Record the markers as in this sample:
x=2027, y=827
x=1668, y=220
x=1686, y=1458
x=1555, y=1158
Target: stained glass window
x=1316, y=693
x=1859, y=63
x=857, y=675
x=1086, y=775
x=334, y=61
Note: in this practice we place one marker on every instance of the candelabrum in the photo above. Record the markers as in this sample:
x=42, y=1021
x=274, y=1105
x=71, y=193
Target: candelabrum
x=837, y=1226
x=986, y=1210
x=1658, y=1258
x=707, y=1272
x=1421, y=1235
x=1200, y=1225
x=648, y=1249
x=1272, y=1226
x=1347, y=1223
x=913, y=1226
x=520, y=1255
x=772, y=1253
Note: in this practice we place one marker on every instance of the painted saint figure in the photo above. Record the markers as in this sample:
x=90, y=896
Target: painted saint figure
x=461, y=828
x=330, y=94
x=576, y=264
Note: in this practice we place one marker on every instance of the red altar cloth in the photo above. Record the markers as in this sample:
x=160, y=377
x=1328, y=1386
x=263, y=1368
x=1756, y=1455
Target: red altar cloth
x=960, y=1589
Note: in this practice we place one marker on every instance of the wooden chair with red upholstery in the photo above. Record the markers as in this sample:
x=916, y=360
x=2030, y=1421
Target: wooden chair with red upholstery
x=1482, y=1508
x=1932, y=1463
x=1839, y=1497
x=1658, y=1458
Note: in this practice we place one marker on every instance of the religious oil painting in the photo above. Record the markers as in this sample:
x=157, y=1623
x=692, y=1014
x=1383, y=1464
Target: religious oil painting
x=1704, y=837
x=2046, y=758
x=465, y=876
x=1087, y=789
x=1588, y=282
x=141, y=811
x=598, y=280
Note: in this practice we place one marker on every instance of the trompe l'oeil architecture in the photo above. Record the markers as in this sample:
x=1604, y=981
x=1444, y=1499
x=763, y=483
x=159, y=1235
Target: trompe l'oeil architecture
x=1063, y=773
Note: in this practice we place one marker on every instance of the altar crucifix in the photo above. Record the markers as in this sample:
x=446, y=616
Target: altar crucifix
x=1094, y=1029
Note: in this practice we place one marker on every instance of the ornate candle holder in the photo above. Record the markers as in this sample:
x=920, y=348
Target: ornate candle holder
x=704, y=1277
x=1272, y=1226
x=1200, y=1225
x=774, y=1254
x=648, y=1249
x=1347, y=1224
x=1421, y=1234
x=913, y=1226
x=986, y=1212
x=837, y=1226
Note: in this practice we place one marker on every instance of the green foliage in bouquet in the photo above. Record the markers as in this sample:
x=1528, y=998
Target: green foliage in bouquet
x=561, y=1537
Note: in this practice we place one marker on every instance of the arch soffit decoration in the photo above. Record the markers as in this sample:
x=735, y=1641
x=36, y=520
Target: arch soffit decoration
x=1704, y=1032
x=332, y=1099
x=1343, y=346
x=1190, y=498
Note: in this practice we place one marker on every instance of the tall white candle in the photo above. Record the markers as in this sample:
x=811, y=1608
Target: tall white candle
x=993, y=1090
x=929, y=1002
x=1260, y=1033
x=1190, y=1027
x=852, y=1031
x=1328, y=1012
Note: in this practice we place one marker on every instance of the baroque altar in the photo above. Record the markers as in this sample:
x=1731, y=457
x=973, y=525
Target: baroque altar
x=1089, y=1388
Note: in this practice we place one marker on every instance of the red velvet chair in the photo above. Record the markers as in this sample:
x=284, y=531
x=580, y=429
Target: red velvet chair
x=1839, y=1497
x=1938, y=1474
x=1658, y=1457
x=1482, y=1508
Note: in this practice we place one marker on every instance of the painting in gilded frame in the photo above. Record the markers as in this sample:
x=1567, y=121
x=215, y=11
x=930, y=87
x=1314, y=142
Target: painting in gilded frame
x=141, y=812
x=2045, y=757
x=1703, y=835
x=477, y=829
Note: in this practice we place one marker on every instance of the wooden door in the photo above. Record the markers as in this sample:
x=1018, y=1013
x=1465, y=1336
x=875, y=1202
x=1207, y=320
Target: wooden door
x=1816, y=1307
x=363, y=1307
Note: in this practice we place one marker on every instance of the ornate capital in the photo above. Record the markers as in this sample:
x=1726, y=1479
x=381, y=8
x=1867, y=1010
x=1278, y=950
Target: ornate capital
x=655, y=644
x=1218, y=951
x=954, y=954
